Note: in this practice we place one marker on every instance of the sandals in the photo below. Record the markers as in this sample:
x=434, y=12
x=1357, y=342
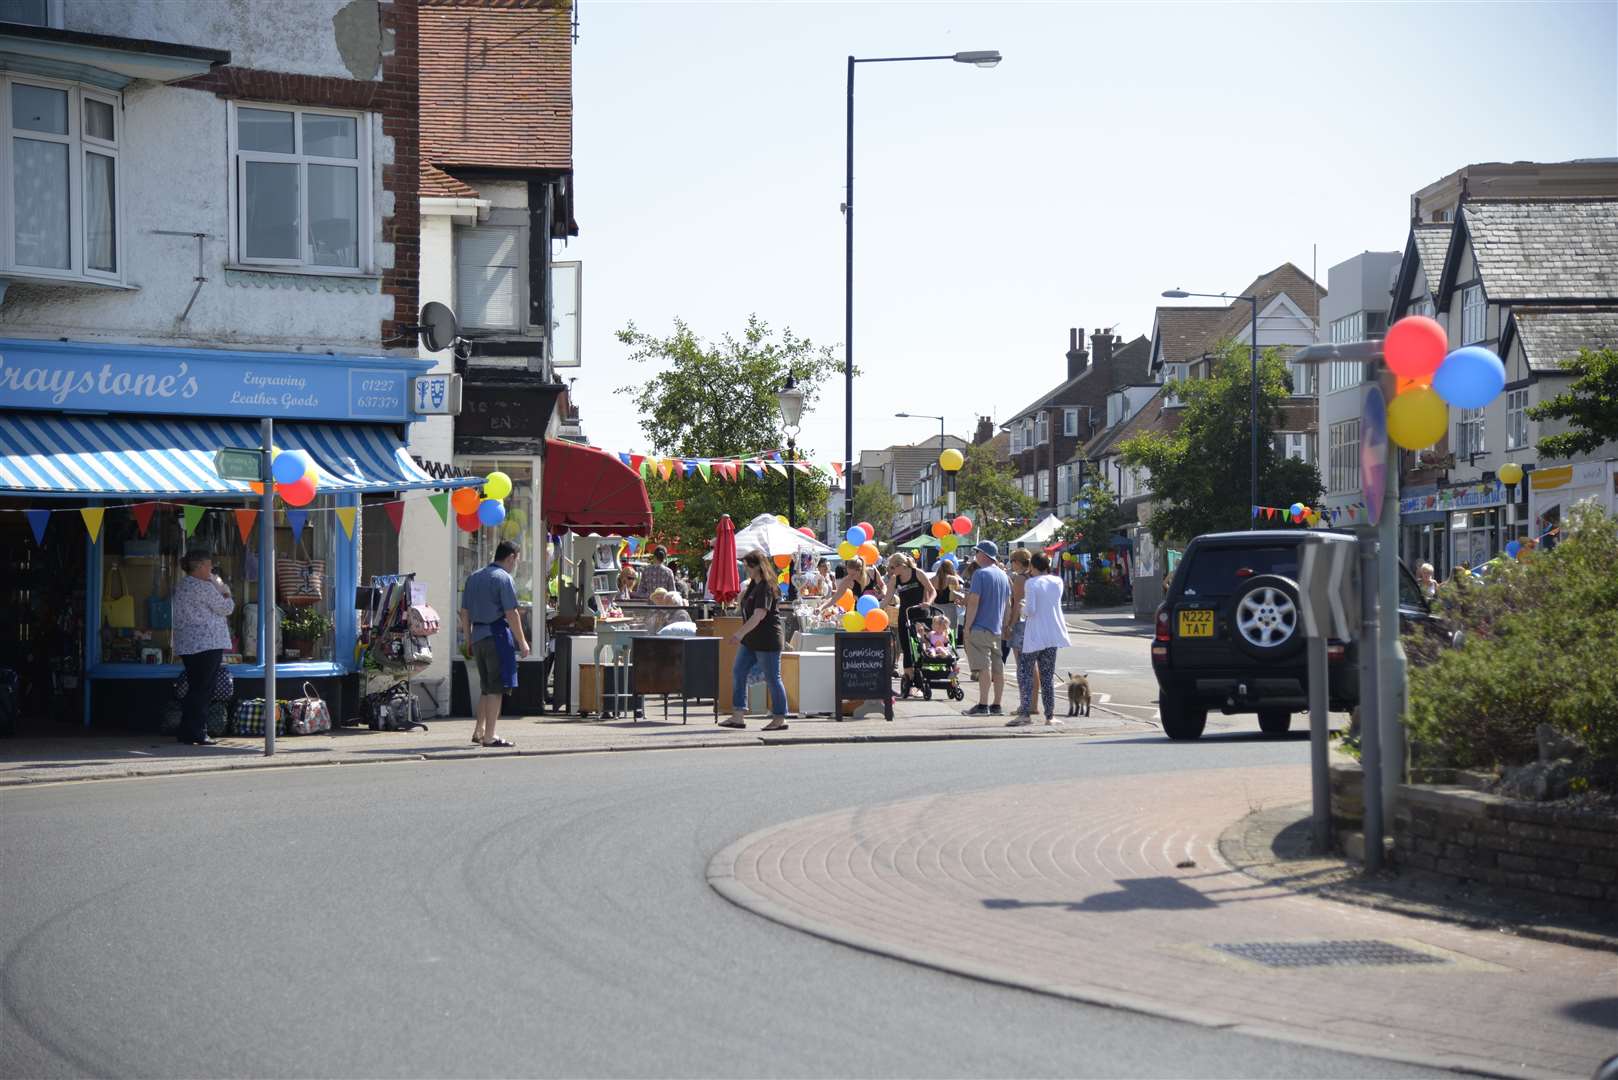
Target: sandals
x=777, y=724
x=732, y=722
x=502, y=743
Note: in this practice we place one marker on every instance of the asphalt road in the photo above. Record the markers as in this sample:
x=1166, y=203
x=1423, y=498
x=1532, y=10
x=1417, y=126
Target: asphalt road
x=540, y=916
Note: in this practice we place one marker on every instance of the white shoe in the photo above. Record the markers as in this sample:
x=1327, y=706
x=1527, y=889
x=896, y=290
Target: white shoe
x=1051, y=721
x=1019, y=721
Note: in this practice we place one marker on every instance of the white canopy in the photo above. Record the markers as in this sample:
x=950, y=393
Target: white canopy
x=1040, y=534
x=764, y=533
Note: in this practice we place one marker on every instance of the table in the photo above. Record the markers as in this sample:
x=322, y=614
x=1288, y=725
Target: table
x=614, y=636
x=676, y=664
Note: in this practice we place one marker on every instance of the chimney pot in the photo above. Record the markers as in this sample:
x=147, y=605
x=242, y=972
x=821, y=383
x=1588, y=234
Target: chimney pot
x=1076, y=356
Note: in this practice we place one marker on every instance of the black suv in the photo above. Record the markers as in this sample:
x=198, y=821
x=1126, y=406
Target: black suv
x=1230, y=633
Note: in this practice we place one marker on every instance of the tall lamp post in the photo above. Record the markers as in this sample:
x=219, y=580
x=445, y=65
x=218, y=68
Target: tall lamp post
x=1181, y=294
x=791, y=399
x=1510, y=475
x=986, y=58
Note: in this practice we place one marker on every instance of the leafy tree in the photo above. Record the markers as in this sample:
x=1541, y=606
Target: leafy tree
x=986, y=492
x=1098, y=518
x=1590, y=404
x=877, y=506
x=1200, y=472
x=718, y=399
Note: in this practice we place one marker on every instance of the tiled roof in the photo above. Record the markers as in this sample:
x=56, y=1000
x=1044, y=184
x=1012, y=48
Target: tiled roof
x=1131, y=364
x=1432, y=245
x=1544, y=249
x=437, y=183
x=496, y=84
x=1552, y=336
x=1151, y=416
x=1184, y=329
x=1299, y=287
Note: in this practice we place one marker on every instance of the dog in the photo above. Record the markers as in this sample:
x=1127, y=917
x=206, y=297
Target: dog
x=1078, y=693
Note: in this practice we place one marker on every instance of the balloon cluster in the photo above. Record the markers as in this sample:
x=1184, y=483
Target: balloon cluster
x=1431, y=378
x=949, y=533
x=865, y=614
x=294, y=474
x=859, y=543
x=474, y=511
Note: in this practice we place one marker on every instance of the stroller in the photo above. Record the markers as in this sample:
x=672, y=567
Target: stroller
x=932, y=672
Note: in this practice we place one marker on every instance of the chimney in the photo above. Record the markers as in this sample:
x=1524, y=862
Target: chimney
x=1101, y=343
x=985, y=431
x=1076, y=356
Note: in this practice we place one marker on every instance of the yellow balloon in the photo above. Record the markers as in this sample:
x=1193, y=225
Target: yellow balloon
x=1417, y=418
x=782, y=518
x=853, y=622
x=846, y=551
x=949, y=544
x=951, y=460
x=497, y=485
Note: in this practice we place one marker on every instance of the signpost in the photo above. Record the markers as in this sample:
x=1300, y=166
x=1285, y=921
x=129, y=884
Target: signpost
x=266, y=578
x=238, y=463
x=1329, y=587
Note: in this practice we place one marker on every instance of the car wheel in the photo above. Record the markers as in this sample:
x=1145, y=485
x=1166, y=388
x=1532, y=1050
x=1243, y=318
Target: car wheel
x=1183, y=718
x=1274, y=721
x=1265, y=620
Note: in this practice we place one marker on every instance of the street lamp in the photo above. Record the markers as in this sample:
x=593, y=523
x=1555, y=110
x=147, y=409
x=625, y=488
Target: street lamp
x=926, y=416
x=983, y=58
x=1181, y=294
x=951, y=461
x=1510, y=474
x=791, y=399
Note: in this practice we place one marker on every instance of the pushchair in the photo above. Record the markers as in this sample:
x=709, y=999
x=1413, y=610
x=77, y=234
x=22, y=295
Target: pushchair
x=932, y=672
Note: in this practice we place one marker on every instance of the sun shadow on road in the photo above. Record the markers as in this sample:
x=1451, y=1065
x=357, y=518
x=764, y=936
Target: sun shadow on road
x=1599, y=1012
x=1135, y=894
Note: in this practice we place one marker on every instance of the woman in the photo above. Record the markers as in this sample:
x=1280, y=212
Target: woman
x=201, y=637
x=627, y=577
x=1017, y=569
x=951, y=591
x=758, y=644
x=1044, y=632
x=855, y=579
x=1424, y=578
x=913, y=589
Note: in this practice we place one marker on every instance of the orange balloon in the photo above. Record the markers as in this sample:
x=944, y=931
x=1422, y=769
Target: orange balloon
x=1401, y=384
x=941, y=529
x=783, y=561
x=876, y=621
x=465, y=500
x=846, y=601
x=869, y=554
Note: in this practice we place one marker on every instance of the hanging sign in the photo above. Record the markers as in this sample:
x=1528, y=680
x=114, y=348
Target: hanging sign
x=436, y=395
x=239, y=463
x=1373, y=451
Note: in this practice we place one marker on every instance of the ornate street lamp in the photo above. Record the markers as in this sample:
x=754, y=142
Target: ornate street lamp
x=791, y=399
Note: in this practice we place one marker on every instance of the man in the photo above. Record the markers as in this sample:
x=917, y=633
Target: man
x=492, y=628
x=986, y=600
x=656, y=576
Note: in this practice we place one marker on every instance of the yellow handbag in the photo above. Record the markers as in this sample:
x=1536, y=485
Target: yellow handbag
x=118, y=607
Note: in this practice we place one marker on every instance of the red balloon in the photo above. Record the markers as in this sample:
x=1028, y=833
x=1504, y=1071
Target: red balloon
x=469, y=522
x=962, y=525
x=301, y=493
x=1415, y=346
x=807, y=531
x=870, y=533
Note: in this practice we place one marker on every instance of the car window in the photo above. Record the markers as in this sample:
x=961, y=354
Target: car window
x=1410, y=592
x=1215, y=571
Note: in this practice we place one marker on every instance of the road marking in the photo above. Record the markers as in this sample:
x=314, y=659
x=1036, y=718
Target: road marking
x=1126, y=705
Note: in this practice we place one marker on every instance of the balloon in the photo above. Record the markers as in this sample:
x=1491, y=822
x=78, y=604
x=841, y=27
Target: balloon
x=949, y=544
x=297, y=494
x=807, y=531
x=853, y=622
x=951, y=460
x=1417, y=418
x=876, y=621
x=497, y=485
x=289, y=467
x=855, y=535
x=962, y=525
x=1514, y=549
x=867, y=604
x=940, y=529
x=1470, y=378
x=846, y=601
x=785, y=588
x=782, y=518
x=491, y=511
x=1415, y=346
x=1296, y=510
x=846, y=550
x=313, y=477
x=510, y=528
x=465, y=500
x=469, y=522
x=870, y=533
x=783, y=561
x=869, y=554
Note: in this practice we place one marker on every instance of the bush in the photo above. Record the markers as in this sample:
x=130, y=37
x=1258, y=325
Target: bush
x=1540, y=646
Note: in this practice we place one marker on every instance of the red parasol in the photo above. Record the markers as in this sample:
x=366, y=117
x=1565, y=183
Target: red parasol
x=722, y=580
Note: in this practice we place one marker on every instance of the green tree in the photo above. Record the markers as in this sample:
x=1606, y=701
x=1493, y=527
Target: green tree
x=1099, y=517
x=986, y=492
x=715, y=400
x=875, y=505
x=1590, y=405
x=1200, y=472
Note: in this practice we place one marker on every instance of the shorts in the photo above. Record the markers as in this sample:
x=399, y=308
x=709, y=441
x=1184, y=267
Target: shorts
x=983, y=652
x=487, y=655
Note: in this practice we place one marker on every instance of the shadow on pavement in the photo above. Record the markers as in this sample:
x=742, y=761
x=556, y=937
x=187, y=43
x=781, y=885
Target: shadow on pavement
x=1599, y=1012
x=1136, y=894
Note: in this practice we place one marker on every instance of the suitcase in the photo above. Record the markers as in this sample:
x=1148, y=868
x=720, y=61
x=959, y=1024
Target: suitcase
x=250, y=717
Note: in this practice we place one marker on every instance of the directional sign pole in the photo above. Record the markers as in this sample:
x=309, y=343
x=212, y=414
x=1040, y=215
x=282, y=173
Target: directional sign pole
x=266, y=580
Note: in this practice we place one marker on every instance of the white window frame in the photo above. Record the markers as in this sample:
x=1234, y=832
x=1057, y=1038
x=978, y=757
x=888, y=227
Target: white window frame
x=1517, y=419
x=367, y=194
x=1070, y=421
x=1042, y=428
x=1044, y=495
x=1474, y=315
x=78, y=268
x=515, y=221
x=1424, y=306
x=1343, y=465
x=1016, y=438
x=1470, y=433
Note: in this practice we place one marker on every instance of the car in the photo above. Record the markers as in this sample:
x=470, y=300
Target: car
x=1229, y=634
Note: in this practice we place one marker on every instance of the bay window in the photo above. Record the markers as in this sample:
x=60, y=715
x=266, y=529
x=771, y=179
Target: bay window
x=302, y=188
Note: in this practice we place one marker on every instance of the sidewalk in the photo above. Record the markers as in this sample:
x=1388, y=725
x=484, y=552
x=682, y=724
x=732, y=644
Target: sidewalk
x=1114, y=891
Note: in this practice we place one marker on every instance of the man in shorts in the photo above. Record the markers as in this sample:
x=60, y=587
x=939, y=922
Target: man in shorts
x=492, y=627
x=986, y=600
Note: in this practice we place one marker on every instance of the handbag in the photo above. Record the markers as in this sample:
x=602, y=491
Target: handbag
x=224, y=685
x=249, y=718
x=300, y=582
x=159, y=606
x=119, y=606
x=308, y=714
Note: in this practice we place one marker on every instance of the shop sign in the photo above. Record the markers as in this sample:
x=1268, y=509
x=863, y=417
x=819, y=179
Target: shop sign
x=1471, y=497
x=1585, y=474
x=437, y=395
x=505, y=410
x=74, y=377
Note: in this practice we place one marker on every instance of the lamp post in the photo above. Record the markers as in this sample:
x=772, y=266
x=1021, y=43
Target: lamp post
x=926, y=416
x=1510, y=475
x=950, y=461
x=791, y=399
x=1181, y=294
x=984, y=58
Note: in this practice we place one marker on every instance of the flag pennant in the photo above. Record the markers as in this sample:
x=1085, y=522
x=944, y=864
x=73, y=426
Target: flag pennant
x=706, y=471
x=37, y=520
x=142, y=513
x=92, y=516
x=395, y=512
x=345, y=516
x=636, y=461
x=689, y=466
x=837, y=468
x=1256, y=509
x=777, y=467
x=803, y=467
x=776, y=456
x=679, y=504
x=665, y=469
x=624, y=458
x=191, y=516
x=440, y=501
x=645, y=470
x=756, y=468
x=244, y=522
x=297, y=519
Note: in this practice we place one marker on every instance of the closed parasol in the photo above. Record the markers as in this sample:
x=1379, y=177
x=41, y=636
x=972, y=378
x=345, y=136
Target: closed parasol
x=723, y=582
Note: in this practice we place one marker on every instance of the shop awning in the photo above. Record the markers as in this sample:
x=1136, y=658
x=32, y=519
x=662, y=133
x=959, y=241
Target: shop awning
x=52, y=454
x=590, y=491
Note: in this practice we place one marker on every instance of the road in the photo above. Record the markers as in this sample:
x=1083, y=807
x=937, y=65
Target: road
x=540, y=916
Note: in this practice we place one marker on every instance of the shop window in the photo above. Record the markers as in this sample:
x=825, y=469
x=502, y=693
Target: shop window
x=473, y=551
x=302, y=189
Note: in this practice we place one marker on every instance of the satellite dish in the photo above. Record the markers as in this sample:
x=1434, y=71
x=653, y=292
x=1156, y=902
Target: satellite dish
x=438, y=327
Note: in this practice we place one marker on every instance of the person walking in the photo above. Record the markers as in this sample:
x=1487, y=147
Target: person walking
x=657, y=575
x=201, y=638
x=758, y=644
x=947, y=584
x=985, y=615
x=914, y=589
x=1012, y=632
x=1044, y=631
x=492, y=628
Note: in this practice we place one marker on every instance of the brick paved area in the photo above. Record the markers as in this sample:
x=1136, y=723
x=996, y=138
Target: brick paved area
x=1113, y=891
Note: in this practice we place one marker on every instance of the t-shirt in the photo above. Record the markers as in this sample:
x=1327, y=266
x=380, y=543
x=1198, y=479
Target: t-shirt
x=489, y=593
x=766, y=636
x=993, y=590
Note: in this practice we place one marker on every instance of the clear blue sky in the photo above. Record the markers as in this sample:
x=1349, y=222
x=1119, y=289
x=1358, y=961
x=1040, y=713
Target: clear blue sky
x=1120, y=149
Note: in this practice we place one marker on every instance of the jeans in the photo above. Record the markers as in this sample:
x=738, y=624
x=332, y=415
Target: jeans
x=201, y=670
x=770, y=662
x=1045, y=662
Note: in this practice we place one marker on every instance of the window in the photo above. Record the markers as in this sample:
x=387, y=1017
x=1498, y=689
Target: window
x=1302, y=377
x=1423, y=306
x=1016, y=438
x=32, y=12
x=1042, y=429
x=1348, y=328
x=1044, y=485
x=1343, y=457
x=1516, y=419
x=1070, y=421
x=1296, y=444
x=61, y=175
x=1346, y=374
x=1469, y=433
x=302, y=188
x=489, y=277
x=1474, y=324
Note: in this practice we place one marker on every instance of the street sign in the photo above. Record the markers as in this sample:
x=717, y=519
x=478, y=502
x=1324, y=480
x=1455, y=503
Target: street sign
x=436, y=395
x=1329, y=581
x=239, y=463
x=1373, y=451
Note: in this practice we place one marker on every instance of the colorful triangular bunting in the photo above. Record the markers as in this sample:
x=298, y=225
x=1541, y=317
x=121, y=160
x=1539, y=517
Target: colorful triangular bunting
x=345, y=516
x=92, y=516
x=296, y=520
x=37, y=520
x=395, y=512
x=142, y=513
x=244, y=522
x=191, y=516
x=440, y=501
x=706, y=471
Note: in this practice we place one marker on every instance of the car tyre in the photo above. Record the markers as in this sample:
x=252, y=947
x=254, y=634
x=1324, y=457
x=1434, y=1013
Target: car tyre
x=1183, y=718
x=1266, y=620
x=1274, y=721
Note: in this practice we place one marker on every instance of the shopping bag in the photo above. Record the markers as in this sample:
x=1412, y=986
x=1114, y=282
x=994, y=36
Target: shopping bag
x=118, y=607
x=300, y=582
x=250, y=717
x=308, y=714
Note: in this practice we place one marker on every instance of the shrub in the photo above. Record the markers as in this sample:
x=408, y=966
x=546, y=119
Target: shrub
x=1541, y=646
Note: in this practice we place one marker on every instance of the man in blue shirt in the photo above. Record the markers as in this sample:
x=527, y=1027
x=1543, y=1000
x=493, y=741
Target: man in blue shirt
x=492, y=628
x=986, y=601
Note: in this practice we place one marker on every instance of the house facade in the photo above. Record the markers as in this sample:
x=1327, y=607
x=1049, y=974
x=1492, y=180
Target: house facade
x=1355, y=308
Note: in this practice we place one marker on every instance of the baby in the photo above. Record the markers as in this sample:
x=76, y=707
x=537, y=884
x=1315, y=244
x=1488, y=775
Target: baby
x=938, y=640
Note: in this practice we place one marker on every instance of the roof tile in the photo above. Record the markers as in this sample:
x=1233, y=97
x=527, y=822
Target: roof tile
x=1545, y=249
x=1551, y=337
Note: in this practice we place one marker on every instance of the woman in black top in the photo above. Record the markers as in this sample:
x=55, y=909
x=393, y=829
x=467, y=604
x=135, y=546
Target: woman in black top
x=758, y=644
x=913, y=588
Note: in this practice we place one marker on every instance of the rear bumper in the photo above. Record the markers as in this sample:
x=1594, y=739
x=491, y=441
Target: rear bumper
x=1249, y=690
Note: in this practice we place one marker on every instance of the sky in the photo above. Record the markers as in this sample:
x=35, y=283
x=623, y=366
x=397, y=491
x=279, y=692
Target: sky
x=1119, y=150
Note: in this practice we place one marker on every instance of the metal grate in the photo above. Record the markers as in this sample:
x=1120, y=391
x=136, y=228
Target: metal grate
x=1302, y=954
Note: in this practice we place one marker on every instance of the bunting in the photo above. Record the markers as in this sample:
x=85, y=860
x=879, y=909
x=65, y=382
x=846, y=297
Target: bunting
x=191, y=515
x=395, y=512
x=297, y=519
x=142, y=513
x=440, y=501
x=92, y=520
x=345, y=517
x=37, y=520
x=244, y=522
x=705, y=470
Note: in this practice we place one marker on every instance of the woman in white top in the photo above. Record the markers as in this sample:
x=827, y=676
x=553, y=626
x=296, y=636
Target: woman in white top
x=1044, y=632
x=201, y=638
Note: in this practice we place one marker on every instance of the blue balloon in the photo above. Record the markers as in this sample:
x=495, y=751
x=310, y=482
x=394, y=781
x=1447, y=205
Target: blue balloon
x=1470, y=378
x=855, y=535
x=1513, y=548
x=785, y=588
x=1295, y=509
x=867, y=604
x=290, y=467
x=948, y=559
x=491, y=511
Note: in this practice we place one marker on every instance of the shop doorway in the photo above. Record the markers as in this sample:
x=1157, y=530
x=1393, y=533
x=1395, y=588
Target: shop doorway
x=42, y=634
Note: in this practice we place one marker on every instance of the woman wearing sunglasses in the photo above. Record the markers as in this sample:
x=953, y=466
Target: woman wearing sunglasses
x=759, y=644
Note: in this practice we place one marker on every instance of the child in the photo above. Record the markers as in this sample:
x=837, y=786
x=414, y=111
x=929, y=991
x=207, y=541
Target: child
x=938, y=640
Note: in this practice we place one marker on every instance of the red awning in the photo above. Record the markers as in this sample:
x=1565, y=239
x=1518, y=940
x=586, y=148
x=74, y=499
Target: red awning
x=591, y=491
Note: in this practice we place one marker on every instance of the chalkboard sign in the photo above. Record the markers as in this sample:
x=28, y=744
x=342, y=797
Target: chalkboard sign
x=863, y=670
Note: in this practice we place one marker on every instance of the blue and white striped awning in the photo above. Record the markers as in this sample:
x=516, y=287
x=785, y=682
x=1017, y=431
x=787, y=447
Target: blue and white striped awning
x=53, y=454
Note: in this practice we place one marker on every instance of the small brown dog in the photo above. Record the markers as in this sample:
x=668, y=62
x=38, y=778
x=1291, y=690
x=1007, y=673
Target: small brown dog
x=1078, y=693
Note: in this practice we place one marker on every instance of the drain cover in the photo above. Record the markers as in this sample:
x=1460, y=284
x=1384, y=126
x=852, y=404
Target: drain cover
x=1302, y=954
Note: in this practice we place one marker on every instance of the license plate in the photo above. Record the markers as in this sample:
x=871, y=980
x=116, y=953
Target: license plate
x=1196, y=624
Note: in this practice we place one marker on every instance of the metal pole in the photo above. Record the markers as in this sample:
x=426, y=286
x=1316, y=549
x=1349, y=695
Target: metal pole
x=1253, y=399
x=792, y=486
x=1370, y=705
x=1319, y=765
x=266, y=579
x=848, y=315
x=1391, y=651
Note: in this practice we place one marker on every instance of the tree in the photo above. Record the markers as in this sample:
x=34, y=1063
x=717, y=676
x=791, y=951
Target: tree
x=1590, y=405
x=716, y=400
x=1098, y=518
x=876, y=505
x=986, y=492
x=1200, y=472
